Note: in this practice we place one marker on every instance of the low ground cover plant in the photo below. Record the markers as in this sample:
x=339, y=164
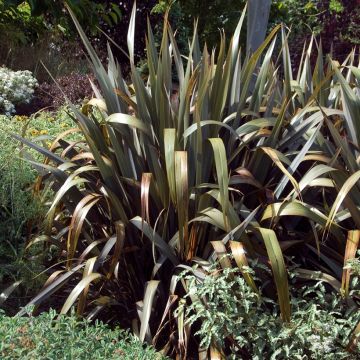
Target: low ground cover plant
x=48, y=337
x=233, y=316
x=173, y=176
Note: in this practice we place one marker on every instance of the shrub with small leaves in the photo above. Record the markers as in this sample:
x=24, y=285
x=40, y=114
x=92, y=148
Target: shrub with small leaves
x=48, y=337
x=16, y=87
x=231, y=315
x=74, y=86
x=354, y=265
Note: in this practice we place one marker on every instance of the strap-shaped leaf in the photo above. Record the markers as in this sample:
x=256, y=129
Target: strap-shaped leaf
x=192, y=128
x=298, y=208
x=351, y=105
x=117, y=120
x=352, y=244
x=53, y=287
x=89, y=267
x=81, y=286
x=81, y=211
x=221, y=254
x=163, y=247
x=147, y=307
x=239, y=254
x=41, y=150
x=296, y=162
x=222, y=175
x=313, y=174
x=279, y=271
x=182, y=199
x=274, y=155
x=145, y=195
x=344, y=191
x=7, y=292
x=169, y=151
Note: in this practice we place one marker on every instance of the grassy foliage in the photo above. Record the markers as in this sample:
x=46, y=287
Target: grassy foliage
x=20, y=211
x=16, y=174
x=49, y=337
x=168, y=179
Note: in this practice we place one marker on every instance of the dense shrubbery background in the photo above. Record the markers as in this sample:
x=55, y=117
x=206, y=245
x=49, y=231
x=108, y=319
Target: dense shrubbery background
x=41, y=30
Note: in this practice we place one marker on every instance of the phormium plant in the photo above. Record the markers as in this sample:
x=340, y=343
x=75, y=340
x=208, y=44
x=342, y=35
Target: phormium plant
x=244, y=157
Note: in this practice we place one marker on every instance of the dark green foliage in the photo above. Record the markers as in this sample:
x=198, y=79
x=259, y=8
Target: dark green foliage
x=49, y=337
x=90, y=13
x=338, y=33
x=164, y=182
x=212, y=16
x=300, y=15
x=27, y=40
x=17, y=23
x=42, y=31
x=322, y=17
x=303, y=16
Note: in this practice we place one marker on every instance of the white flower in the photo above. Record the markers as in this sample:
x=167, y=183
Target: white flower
x=15, y=87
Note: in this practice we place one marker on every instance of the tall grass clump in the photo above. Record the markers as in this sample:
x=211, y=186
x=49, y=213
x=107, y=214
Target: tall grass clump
x=241, y=156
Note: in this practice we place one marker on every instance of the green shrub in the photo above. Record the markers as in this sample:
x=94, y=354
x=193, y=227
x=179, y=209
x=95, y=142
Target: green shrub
x=230, y=312
x=17, y=206
x=22, y=210
x=49, y=337
x=17, y=175
x=91, y=13
x=17, y=25
x=324, y=18
x=354, y=265
x=301, y=15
